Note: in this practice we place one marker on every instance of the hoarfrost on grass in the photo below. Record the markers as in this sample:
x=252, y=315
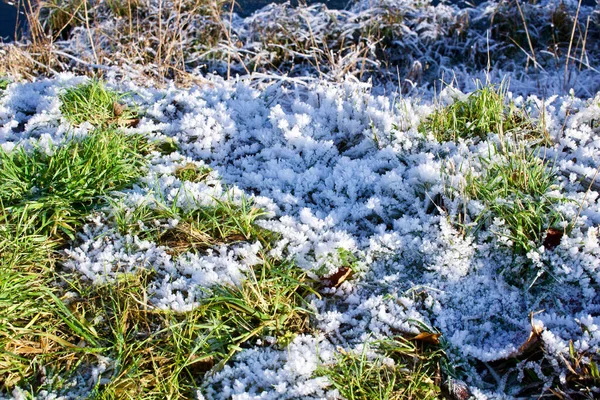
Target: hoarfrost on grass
x=339, y=169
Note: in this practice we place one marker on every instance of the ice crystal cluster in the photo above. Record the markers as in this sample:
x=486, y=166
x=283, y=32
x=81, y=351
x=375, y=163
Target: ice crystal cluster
x=338, y=168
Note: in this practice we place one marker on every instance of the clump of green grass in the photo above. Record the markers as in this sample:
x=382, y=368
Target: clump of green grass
x=4, y=82
x=357, y=376
x=54, y=193
x=482, y=112
x=198, y=229
x=190, y=172
x=163, y=354
x=156, y=353
x=270, y=302
x=515, y=188
x=93, y=102
x=35, y=340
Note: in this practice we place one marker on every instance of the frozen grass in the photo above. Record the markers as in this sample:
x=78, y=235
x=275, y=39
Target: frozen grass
x=271, y=303
x=482, y=112
x=55, y=192
x=517, y=188
x=403, y=370
x=343, y=224
x=144, y=352
x=406, y=42
x=93, y=102
x=200, y=229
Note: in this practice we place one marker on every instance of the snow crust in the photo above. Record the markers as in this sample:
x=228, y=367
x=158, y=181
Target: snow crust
x=337, y=167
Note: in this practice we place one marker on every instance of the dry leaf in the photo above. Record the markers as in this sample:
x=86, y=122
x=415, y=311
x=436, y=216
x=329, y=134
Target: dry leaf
x=532, y=342
x=118, y=109
x=132, y=123
x=553, y=237
x=427, y=337
x=338, y=277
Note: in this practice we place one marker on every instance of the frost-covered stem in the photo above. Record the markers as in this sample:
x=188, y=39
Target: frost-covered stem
x=587, y=26
x=229, y=39
x=527, y=33
x=586, y=194
x=571, y=42
x=89, y=32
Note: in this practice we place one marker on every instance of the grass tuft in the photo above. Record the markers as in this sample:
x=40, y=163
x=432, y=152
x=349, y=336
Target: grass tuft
x=35, y=341
x=190, y=172
x=482, y=112
x=196, y=230
x=515, y=188
x=403, y=370
x=93, y=102
x=159, y=354
x=4, y=82
x=271, y=302
x=54, y=193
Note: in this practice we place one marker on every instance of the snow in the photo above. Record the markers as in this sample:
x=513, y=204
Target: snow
x=338, y=167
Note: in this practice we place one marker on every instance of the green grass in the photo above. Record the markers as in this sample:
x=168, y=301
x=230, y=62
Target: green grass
x=357, y=376
x=270, y=302
x=4, y=82
x=190, y=172
x=482, y=112
x=93, y=102
x=36, y=339
x=54, y=193
x=162, y=354
x=514, y=188
x=201, y=228
x=156, y=354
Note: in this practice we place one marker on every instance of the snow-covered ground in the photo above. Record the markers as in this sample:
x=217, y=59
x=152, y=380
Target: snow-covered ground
x=339, y=168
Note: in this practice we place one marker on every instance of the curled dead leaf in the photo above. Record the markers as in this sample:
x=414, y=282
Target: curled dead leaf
x=118, y=109
x=339, y=277
x=132, y=123
x=427, y=337
x=532, y=342
x=553, y=237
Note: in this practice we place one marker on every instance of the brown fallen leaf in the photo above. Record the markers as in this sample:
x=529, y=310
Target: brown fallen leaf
x=131, y=123
x=553, y=237
x=337, y=278
x=457, y=389
x=427, y=337
x=118, y=109
x=200, y=365
x=236, y=238
x=532, y=342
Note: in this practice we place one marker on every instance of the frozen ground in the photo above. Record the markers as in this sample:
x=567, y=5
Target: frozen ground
x=342, y=167
x=338, y=168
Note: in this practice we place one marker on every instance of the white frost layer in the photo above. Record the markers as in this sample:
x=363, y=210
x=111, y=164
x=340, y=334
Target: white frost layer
x=339, y=168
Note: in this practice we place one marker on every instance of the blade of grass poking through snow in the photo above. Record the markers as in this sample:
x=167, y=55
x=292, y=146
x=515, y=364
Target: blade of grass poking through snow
x=93, y=102
x=516, y=189
x=482, y=112
x=400, y=369
x=55, y=192
x=271, y=302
